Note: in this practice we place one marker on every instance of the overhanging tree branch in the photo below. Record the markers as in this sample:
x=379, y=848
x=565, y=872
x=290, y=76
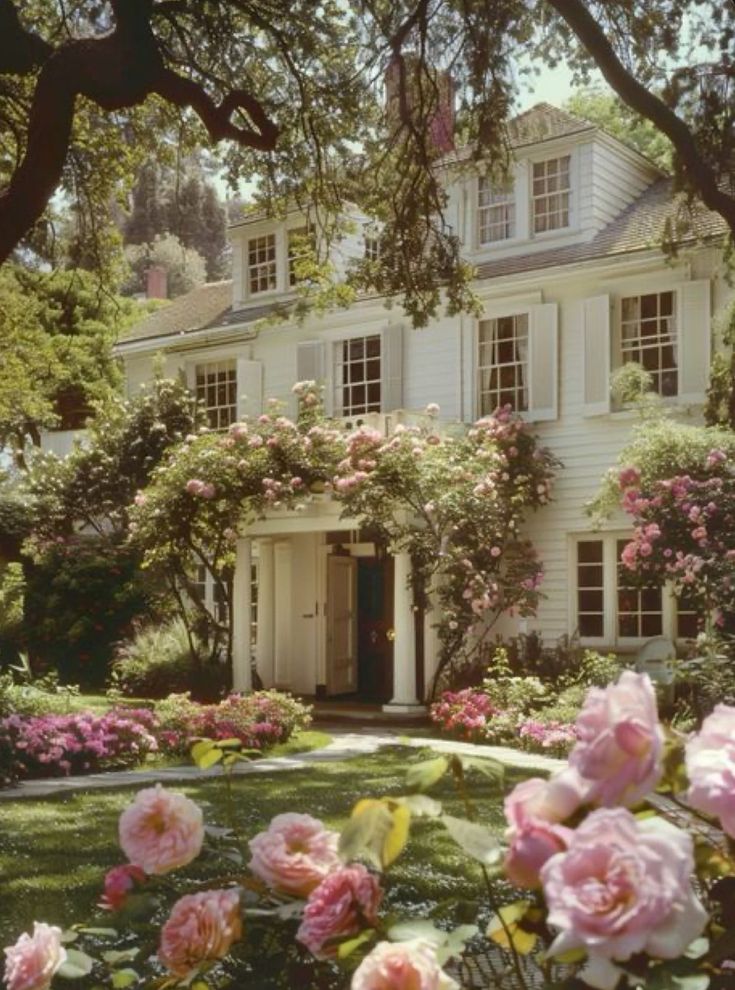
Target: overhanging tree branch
x=702, y=176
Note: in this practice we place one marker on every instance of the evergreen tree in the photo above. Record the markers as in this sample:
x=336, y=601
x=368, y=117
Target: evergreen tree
x=149, y=214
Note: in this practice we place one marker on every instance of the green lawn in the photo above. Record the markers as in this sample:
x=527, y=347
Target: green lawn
x=54, y=853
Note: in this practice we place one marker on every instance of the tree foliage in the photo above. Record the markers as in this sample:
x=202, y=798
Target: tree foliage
x=185, y=268
x=293, y=93
x=56, y=337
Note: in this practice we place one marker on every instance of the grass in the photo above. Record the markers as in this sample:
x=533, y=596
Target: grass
x=54, y=852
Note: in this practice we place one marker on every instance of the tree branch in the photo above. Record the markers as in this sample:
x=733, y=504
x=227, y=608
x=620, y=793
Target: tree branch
x=701, y=175
x=186, y=93
x=21, y=51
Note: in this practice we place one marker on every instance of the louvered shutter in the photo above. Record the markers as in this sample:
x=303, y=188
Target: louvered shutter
x=693, y=348
x=391, y=357
x=249, y=388
x=596, y=351
x=543, y=362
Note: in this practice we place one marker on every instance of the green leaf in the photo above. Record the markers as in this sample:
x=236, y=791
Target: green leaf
x=76, y=965
x=101, y=932
x=377, y=831
x=406, y=931
x=229, y=743
x=200, y=749
x=697, y=948
x=476, y=840
x=694, y=981
x=345, y=949
x=115, y=956
x=423, y=775
x=492, y=769
x=69, y=935
x=124, y=978
x=209, y=759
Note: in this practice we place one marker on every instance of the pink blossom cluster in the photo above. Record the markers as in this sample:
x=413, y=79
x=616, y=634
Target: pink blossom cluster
x=203, y=489
x=463, y=713
x=557, y=737
x=52, y=745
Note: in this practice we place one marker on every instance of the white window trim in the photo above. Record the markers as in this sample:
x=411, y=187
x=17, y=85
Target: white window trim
x=512, y=193
x=339, y=387
x=486, y=318
x=277, y=236
x=610, y=639
x=616, y=330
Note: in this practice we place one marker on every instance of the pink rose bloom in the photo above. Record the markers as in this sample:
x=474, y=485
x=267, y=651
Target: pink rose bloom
x=551, y=800
x=194, y=486
x=294, y=854
x=623, y=886
x=530, y=848
x=620, y=741
x=31, y=963
x=629, y=477
x=710, y=763
x=342, y=904
x=402, y=966
x=201, y=928
x=161, y=830
x=119, y=881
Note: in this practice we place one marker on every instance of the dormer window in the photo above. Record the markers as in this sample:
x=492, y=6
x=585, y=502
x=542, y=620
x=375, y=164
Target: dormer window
x=550, y=194
x=496, y=212
x=262, y=264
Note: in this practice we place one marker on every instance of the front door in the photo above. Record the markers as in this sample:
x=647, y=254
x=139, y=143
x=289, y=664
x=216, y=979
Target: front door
x=374, y=628
x=341, y=625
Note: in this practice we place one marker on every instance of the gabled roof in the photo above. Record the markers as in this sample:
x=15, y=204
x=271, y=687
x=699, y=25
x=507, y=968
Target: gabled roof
x=202, y=307
x=543, y=122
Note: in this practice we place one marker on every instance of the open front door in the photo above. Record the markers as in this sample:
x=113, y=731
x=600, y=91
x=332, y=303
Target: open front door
x=341, y=625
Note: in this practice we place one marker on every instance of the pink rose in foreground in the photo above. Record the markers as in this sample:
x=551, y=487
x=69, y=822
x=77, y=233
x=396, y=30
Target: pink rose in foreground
x=119, y=881
x=530, y=848
x=201, y=928
x=31, y=963
x=294, y=854
x=343, y=903
x=161, y=830
x=710, y=763
x=552, y=800
x=402, y=966
x=622, y=887
x=620, y=742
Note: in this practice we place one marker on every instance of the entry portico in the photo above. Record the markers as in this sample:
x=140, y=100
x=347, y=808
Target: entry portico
x=333, y=616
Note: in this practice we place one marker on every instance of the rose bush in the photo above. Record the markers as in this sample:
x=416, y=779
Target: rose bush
x=615, y=896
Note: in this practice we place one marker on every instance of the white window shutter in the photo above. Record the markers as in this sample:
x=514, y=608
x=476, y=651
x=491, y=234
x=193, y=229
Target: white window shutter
x=391, y=356
x=312, y=365
x=249, y=388
x=190, y=375
x=596, y=349
x=543, y=349
x=693, y=351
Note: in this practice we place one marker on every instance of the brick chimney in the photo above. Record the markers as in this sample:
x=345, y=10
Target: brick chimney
x=156, y=282
x=441, y=124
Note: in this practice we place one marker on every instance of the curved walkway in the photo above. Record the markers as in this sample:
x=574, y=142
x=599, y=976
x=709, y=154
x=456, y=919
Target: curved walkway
x=343, y=746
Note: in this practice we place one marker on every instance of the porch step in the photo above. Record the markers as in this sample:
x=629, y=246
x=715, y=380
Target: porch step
x=326, y=713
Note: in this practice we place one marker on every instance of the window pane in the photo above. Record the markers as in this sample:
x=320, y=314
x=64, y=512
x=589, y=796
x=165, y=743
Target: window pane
x=590, y=551
x=591, y=625
x=503, y=363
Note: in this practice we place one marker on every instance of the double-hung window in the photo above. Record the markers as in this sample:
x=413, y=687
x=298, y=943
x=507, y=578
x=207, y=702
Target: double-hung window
x=502, y=364
x=216, y=390
x=262, y=264
x=358, y=375
x=611, y=608
x=550, y=194
x=648, y=336
x=496, y=212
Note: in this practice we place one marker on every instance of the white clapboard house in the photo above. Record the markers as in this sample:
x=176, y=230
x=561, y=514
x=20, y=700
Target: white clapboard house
x=574, y=283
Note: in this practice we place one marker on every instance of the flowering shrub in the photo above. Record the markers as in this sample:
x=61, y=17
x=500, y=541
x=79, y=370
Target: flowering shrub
x=258, y=720
x=464, y=713
x=55, y=745
x=616, y=896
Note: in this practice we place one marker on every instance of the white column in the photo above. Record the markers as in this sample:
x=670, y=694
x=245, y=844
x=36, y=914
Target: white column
x=241, y=617
x=283, y=615
x=404, y=645
x=266, y=613
x=432, y=644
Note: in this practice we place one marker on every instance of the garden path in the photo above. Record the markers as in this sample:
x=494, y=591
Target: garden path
x=343, y=746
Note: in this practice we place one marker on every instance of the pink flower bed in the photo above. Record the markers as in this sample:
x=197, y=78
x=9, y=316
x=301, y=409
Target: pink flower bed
x=463, y=713
x=57, y=745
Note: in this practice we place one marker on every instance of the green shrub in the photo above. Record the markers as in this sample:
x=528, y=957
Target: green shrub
x=508, y=691
x=23, y=694
x=12, y=589
x=597, y=669
x=158, y=662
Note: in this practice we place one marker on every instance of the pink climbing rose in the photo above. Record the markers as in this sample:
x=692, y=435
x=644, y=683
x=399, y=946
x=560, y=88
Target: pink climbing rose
x=619, y=741
x=402, y=966
x=710, y=763
x=119, y=882
x=344, y=902
x=201, y=928
x=30, y=964
x=161, y=830
x=294, y=854
x=622, y=887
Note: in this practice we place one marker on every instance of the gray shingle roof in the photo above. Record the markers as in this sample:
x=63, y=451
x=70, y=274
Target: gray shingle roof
x=202, y=307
